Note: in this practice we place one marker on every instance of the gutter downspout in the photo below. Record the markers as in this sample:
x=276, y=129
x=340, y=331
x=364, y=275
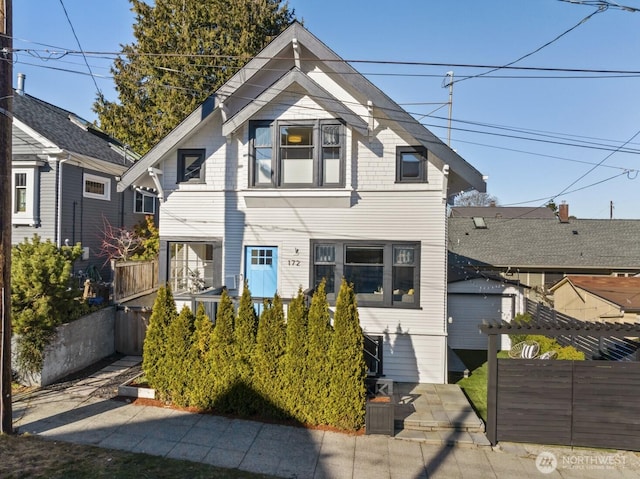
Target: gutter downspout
x=59, y=202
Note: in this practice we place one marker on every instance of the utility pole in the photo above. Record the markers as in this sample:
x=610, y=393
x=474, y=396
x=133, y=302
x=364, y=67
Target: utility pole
x=450, y=85
x=6, y=121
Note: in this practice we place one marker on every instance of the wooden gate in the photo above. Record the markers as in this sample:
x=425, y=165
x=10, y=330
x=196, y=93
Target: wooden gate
x=130, y=330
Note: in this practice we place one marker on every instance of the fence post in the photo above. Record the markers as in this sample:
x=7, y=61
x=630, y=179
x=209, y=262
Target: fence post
x=492, y=390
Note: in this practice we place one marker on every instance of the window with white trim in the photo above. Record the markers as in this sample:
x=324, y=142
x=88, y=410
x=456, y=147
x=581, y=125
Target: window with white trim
x=383, y=273
x=191, y=266
x=96, y=187
x=301, y=154
x=25, y=197
x=144, y=203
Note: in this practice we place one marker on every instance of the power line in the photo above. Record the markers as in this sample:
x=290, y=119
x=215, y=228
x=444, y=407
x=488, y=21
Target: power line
x=73, y=30
x=600, y=9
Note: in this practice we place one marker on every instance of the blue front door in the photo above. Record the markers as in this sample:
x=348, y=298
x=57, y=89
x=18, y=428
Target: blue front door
x=261, y=270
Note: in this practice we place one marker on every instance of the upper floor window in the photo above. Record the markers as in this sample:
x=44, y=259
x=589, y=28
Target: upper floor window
x=411, y=164
x=144, y=203
x=96, y=187
x=20, y=200
x=191, y=166
x=297, y=154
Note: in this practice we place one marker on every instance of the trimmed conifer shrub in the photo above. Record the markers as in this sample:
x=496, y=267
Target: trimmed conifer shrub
x=221, y=356
x=244, y=331
x=294, y=361
x=154, y=357
x=178, y=357
x=347, y=369
x=314, y=399
x=201, y=378
x=267, y=359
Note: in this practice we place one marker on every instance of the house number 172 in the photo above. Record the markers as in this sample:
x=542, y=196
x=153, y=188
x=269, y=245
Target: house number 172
x=294, y=262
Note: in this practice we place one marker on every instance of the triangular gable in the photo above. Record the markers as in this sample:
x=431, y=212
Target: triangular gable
x=320, y=95
x=286, y=47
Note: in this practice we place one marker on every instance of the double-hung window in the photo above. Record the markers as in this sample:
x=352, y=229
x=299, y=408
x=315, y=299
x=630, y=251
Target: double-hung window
x=305, y=154
x=383, y=273
x=20, y=200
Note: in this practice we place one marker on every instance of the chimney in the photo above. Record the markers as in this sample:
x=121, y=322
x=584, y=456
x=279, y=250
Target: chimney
x=563, y=213
x=20, y=89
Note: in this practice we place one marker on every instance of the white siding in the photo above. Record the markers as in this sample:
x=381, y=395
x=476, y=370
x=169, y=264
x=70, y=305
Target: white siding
x=381, y=209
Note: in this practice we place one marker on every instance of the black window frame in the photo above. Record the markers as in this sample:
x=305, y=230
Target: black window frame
x=143, y=196
x=320, y=149
x=421, y=177
x=182, y=174
x=390, y=298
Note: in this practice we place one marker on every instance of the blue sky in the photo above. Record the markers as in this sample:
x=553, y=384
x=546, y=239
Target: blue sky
x=598, y=111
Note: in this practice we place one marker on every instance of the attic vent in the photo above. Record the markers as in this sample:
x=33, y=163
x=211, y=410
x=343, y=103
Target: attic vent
x=478, y=222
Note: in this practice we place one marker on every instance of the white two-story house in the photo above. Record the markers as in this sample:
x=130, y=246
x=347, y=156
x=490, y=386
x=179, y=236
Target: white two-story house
x=298, y=169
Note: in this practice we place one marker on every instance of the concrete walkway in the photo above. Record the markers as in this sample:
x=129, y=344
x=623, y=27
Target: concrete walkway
x=67, y=415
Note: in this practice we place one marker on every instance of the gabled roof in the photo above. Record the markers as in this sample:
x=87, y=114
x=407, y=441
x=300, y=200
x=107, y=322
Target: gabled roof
x=292, y=51
x=581, y=244
x=621, y=291
x=539, y=212
x=68, y=131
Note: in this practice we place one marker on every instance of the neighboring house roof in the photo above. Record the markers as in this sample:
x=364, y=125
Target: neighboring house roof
x=621, y=291
x=68, y=131
x=545, y=244
x=511, y=212
x=242, y=96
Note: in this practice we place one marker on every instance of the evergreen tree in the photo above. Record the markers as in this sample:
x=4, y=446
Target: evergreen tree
x=294, y=368
x=178, y=356
x=201, y=375
x=184, y=50
x=347, y=391
x=154, y=357
x=317, y=377
x=221, y=356
x=267, y=357
x=245, y=329
x=41, y=295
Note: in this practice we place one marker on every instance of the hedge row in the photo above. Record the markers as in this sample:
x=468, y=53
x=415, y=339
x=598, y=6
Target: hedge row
x=304, y=367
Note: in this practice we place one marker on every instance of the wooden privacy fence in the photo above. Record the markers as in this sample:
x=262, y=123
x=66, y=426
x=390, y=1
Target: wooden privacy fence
x=576, y=403
x=134, y=278
x=573, y=403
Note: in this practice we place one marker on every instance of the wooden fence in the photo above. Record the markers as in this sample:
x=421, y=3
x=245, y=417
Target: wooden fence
x=134, y=278
x=573, y=403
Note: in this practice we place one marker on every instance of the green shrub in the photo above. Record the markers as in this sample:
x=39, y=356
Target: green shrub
x=267, y=358
x=244, y=331
x=294, y=369
x=179, y=357
x=570, y=353
x=521, y=320
x=221, y=356
x=42, y=296
x=347, y=368
x=154, y=357
x=201, y=375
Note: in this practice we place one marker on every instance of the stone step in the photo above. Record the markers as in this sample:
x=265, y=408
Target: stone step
x=449, y=438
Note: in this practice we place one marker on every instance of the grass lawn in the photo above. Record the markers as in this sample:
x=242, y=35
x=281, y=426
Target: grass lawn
x=33, y=457
x=475, y=387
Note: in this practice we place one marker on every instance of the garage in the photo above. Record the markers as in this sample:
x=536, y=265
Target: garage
x=472, y=301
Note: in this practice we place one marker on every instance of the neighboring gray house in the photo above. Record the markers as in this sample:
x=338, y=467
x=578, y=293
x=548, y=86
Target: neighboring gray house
x=513, y=256
x=298, y=169
x=64, y=174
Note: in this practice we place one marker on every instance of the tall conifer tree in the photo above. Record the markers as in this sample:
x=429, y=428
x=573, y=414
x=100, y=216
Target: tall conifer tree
x=347, y=391
x=154, y=358
x=317, y=377
x=183, y=51
x=294, y=362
